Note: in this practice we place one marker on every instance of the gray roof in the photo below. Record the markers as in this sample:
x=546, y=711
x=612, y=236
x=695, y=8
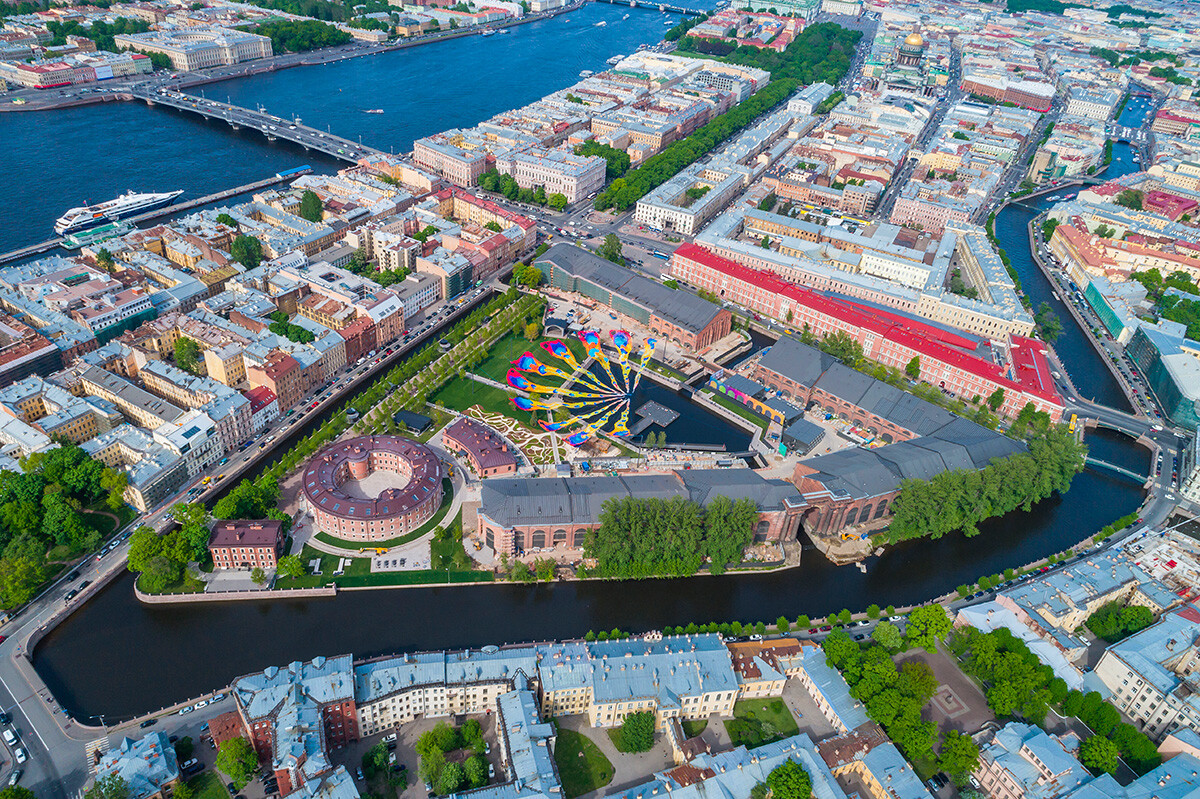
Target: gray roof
x=959, y=444
x=804, y=434
x=796, y=361
x=678, y=307
x=578, y=500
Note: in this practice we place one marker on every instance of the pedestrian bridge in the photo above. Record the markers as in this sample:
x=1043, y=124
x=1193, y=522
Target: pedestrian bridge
x=650, y=6
x=1141, y=478
x=269, y=125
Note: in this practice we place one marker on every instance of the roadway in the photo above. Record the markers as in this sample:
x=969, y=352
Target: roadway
x=270, y=125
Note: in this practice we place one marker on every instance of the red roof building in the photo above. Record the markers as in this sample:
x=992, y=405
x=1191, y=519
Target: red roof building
x=954, y=362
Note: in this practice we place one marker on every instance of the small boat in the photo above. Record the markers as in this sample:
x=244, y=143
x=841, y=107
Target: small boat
x=503, y=31
x=625, y=17
x=615, y=60
x=601, y=24
x=668, y=22
x=587, y=73
x=488, y=32
x=372, y=110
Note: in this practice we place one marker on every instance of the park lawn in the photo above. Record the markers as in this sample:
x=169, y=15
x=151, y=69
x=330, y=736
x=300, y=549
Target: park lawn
x=693, y=727
x=208, y=785
x=508, y=349
x=387, y=543
x=358, y=574
x=760, y=721
x=463, y=392
x=581, y=765
x=738, y=408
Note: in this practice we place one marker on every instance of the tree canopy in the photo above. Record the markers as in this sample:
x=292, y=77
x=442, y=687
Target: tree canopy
x=1113, y=621
x=298, y=36
x=657, y=537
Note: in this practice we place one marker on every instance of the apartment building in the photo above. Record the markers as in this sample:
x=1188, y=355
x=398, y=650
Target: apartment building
x=156, y=472
x=224, y=405
x=559, y=171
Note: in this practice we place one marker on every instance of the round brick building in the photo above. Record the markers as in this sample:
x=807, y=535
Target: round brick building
x=395, y=511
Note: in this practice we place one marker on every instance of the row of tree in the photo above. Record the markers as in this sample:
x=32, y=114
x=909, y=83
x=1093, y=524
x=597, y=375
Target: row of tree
x=962, y=498
x=656, y=537
x=506, y=184
x=99, y=31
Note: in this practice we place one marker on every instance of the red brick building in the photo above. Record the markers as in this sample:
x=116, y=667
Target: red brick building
x=360, y=336
x=246, y=544
x=488, y=453
x=282, y=374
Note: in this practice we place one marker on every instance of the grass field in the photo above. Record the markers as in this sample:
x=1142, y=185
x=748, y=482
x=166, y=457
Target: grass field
x=581, y=764
x=694, y=727
x=463, y=392
x=737, y=407
x=358, y=574
x=760, y=721
x=208, y=786
x=508, y=349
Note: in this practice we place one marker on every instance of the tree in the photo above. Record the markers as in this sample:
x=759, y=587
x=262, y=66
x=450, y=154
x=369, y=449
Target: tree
x=913, y=368
x=637, y=732
x=927, y=625
x=104, y=259
x=873, y=611
x=227, y=220
x=783, y=624
x=258, y=576
x=311, y=207
x=110, y=786
x=533, y=330
x=1099, y=754
x=557, y=201
x=1048, y=324
x=247, y=251
x=21, y=792
x=888, y=636
x=959, y=756
x=475, y=770
x=290, y=566
x=611, y=249
x=187, y=354
x=237, y=759
x=789, y=780
x=996, y=399
x=1114, y=621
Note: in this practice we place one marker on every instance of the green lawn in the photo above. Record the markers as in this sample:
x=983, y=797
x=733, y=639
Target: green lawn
x=351, y=546
x=693, y=728
x=463, y=392
x=358, y=574
x=581, y=764
x=208, y=785
x=508, y=349
x=760, y=721
x=737, y=407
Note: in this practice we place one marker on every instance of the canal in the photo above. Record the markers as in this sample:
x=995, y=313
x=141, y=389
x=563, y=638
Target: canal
x=158, y=655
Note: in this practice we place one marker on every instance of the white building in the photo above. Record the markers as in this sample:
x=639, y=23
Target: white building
x=198, y=48
x=559, y=171
x=1092, y=103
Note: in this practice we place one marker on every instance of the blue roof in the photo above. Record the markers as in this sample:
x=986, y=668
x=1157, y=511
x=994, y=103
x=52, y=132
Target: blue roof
x=1147, y=652
x=1012, y=747
x=736, y=772
x=834, y=689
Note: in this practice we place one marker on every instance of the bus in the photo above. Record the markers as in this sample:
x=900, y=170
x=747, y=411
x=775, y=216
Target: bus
x=1074, y=418
x=659, y=254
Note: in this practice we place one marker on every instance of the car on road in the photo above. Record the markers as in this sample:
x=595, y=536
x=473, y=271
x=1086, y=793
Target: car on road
x=894, y=619
x=15, y=777
x=217, y=697
x=70, y=595
x=148, y=723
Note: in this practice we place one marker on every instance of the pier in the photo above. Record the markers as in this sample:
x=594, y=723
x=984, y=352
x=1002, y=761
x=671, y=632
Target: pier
x=691, y=12
x=50, y=244
x=269, y=125
x=653, y=413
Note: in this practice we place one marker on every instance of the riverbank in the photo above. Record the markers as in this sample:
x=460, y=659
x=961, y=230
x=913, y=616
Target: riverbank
x=277, y=63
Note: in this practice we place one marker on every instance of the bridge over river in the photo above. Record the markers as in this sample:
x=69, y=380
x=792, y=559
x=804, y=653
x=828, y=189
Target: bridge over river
x=269, y=125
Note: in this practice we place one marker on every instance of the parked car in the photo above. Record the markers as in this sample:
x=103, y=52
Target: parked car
x=10, y=738
x=15, y=777
x=148, y=723
x=19, y=755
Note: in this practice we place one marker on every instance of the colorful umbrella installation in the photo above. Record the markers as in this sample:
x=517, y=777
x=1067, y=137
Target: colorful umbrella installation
x=590, y=401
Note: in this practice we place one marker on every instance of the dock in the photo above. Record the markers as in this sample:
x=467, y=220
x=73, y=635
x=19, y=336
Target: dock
x=50, y=244
x=653, y=413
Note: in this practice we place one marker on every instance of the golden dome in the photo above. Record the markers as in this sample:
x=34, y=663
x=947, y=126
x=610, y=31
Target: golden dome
x=914, y=40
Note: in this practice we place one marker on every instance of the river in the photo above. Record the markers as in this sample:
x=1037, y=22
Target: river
x=160, y=655
x=93, y=153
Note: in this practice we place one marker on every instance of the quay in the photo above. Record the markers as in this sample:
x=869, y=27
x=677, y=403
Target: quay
x=269, y=125
x=50, y=244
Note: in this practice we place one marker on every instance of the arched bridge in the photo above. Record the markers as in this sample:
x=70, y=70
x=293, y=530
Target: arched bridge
x=1090, y=461
x=269, y=125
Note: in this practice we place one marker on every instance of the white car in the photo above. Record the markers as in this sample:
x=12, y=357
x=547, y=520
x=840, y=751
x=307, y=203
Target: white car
x=185, y=710
x=10, y=738
x=20, y=755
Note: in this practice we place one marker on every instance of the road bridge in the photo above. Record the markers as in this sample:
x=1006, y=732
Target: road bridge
x=271, y=126
x=650, y=6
